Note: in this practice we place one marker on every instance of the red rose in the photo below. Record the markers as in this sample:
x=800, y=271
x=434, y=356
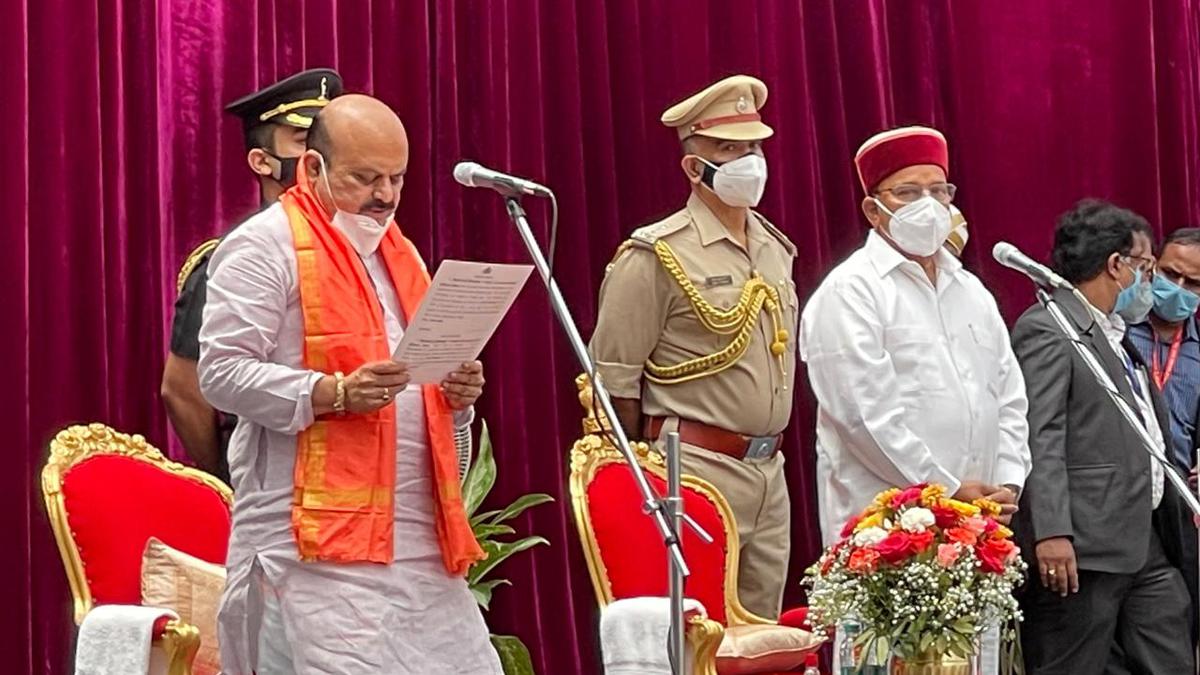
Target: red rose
x=946, y=517
x=993, y=554
x=848, y=529
x=863, y=561
x=959, y=535
x=910, y=495
x=990, y=525
x=918, y=542
x=896, y=548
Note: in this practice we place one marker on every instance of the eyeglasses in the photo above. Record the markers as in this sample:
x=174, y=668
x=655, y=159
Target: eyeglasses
x=1140, y=263
x=908, y=193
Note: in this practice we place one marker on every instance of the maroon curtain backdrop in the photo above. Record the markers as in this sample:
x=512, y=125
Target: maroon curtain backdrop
x=118, y=160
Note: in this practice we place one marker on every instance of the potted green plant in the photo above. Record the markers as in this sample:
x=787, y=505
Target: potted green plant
x=489, y=527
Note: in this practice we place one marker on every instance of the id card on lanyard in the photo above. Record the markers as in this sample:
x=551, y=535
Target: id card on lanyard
x=1162, y=373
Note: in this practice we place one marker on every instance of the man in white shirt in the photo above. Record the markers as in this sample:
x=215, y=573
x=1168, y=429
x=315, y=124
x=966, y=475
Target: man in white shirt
x=350, y=541
x=907, y=353
x=1098, y=526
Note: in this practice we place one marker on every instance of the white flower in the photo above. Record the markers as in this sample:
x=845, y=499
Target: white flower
x=869, y=536
x=917, y=519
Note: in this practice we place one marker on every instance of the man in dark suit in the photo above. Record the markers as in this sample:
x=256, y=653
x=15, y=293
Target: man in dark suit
x=1097, y=524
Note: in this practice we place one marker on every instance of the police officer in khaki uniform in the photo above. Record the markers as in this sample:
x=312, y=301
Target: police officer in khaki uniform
x=275, y=123
x=696, y=328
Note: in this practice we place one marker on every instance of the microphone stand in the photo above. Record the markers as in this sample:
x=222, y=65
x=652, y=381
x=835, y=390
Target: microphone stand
x=667, y=512
x=1127, y=412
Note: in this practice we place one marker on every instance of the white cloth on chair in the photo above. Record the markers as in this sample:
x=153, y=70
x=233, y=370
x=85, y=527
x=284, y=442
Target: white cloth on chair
x=634, y=634
x=115, y=639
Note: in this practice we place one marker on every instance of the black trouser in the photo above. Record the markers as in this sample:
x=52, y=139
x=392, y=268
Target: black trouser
x=1116, y=624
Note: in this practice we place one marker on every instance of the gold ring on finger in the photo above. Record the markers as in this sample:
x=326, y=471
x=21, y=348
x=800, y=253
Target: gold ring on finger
x=1052, y=572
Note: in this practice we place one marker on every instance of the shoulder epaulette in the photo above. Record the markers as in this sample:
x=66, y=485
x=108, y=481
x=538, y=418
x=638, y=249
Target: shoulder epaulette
x=194, y=258
x=778, y=234
x=649, y=235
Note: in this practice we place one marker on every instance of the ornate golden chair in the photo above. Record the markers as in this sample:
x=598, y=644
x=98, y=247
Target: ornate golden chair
x=106, y=494
x=626, y=557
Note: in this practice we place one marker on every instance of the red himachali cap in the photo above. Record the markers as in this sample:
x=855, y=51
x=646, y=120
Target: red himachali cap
x=886, y=153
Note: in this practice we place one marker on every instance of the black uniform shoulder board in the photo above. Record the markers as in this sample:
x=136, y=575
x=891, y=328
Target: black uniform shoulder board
x=194, y=258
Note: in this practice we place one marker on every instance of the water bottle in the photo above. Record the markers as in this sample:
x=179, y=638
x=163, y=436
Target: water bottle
x=847, y=653
x=811, y=665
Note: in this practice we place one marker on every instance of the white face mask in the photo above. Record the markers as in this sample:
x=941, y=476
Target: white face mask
x=919, y=228
x=364, y=232
x=739, y=182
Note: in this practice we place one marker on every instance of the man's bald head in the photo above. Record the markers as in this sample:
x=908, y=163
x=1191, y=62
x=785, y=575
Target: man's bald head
x=365, y=150
x=354, y=119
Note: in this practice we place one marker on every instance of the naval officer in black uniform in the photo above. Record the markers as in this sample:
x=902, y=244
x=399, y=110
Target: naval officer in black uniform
x=275, y=121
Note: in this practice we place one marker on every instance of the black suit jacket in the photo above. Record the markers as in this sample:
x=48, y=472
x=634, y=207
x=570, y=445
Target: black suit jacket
x=1091, y=476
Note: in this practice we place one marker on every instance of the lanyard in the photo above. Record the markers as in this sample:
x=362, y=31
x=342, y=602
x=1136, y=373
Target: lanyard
x=1163, y=375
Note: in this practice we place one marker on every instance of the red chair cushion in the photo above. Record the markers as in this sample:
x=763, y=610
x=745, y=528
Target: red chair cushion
x=632, y=549
x=115, y=504
x=796, y=617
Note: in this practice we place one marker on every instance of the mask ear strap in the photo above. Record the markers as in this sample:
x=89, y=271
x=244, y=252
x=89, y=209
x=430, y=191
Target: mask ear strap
x=325, y=176
x=707, y=163
x=275, y=164
x=883, y=208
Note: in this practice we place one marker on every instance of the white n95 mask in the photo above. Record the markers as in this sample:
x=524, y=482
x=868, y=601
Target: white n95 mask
x=738, y=182
x=919, y=228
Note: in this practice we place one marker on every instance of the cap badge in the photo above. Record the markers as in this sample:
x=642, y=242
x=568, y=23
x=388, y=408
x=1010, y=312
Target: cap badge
x=742, y=104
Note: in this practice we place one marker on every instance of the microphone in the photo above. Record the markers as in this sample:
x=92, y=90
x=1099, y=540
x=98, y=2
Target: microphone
x=472, y=174
x=1010, y=256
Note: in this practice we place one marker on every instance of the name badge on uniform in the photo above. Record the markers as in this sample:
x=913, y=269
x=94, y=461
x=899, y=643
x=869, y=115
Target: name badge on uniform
x=723, y=280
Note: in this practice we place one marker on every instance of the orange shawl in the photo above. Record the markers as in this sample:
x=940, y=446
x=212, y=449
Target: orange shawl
x=342, y=508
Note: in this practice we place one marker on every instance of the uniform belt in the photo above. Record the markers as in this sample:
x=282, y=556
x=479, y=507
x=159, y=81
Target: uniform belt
x=717, y=439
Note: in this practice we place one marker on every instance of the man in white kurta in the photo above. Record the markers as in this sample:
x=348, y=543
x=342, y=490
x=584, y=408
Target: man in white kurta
x=907, y=354
x=278, y=614
x=914, y=383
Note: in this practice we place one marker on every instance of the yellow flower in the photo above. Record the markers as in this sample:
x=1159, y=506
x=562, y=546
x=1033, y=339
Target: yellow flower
x=964, y=509
x=1002, y=532
x=874, y=520
x=885, y=498
x=988, y=506
x=932, y=494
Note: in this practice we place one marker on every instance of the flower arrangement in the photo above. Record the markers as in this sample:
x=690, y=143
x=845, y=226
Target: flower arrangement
x=922, y=573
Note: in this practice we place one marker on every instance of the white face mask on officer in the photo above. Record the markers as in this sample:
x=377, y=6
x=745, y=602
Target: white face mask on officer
x=364, y=232
x=919, y=228
x=739, y=182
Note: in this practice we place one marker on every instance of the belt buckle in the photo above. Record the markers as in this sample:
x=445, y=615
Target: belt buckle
x=760, y=447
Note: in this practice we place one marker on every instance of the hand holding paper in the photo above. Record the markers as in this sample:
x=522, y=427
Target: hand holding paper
x=459, y=314
x=464, y=386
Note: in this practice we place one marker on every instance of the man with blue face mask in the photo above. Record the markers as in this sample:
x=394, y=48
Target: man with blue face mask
x=1097, y=525
x=1169, y=341
x=696, y=328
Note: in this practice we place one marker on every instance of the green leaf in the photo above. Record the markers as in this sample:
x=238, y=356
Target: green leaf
x=481, y=517
x=514, y=657
x=483, y=531
x=518, y=507
x=482, y=474
x=498, y=552
x=483, y=591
